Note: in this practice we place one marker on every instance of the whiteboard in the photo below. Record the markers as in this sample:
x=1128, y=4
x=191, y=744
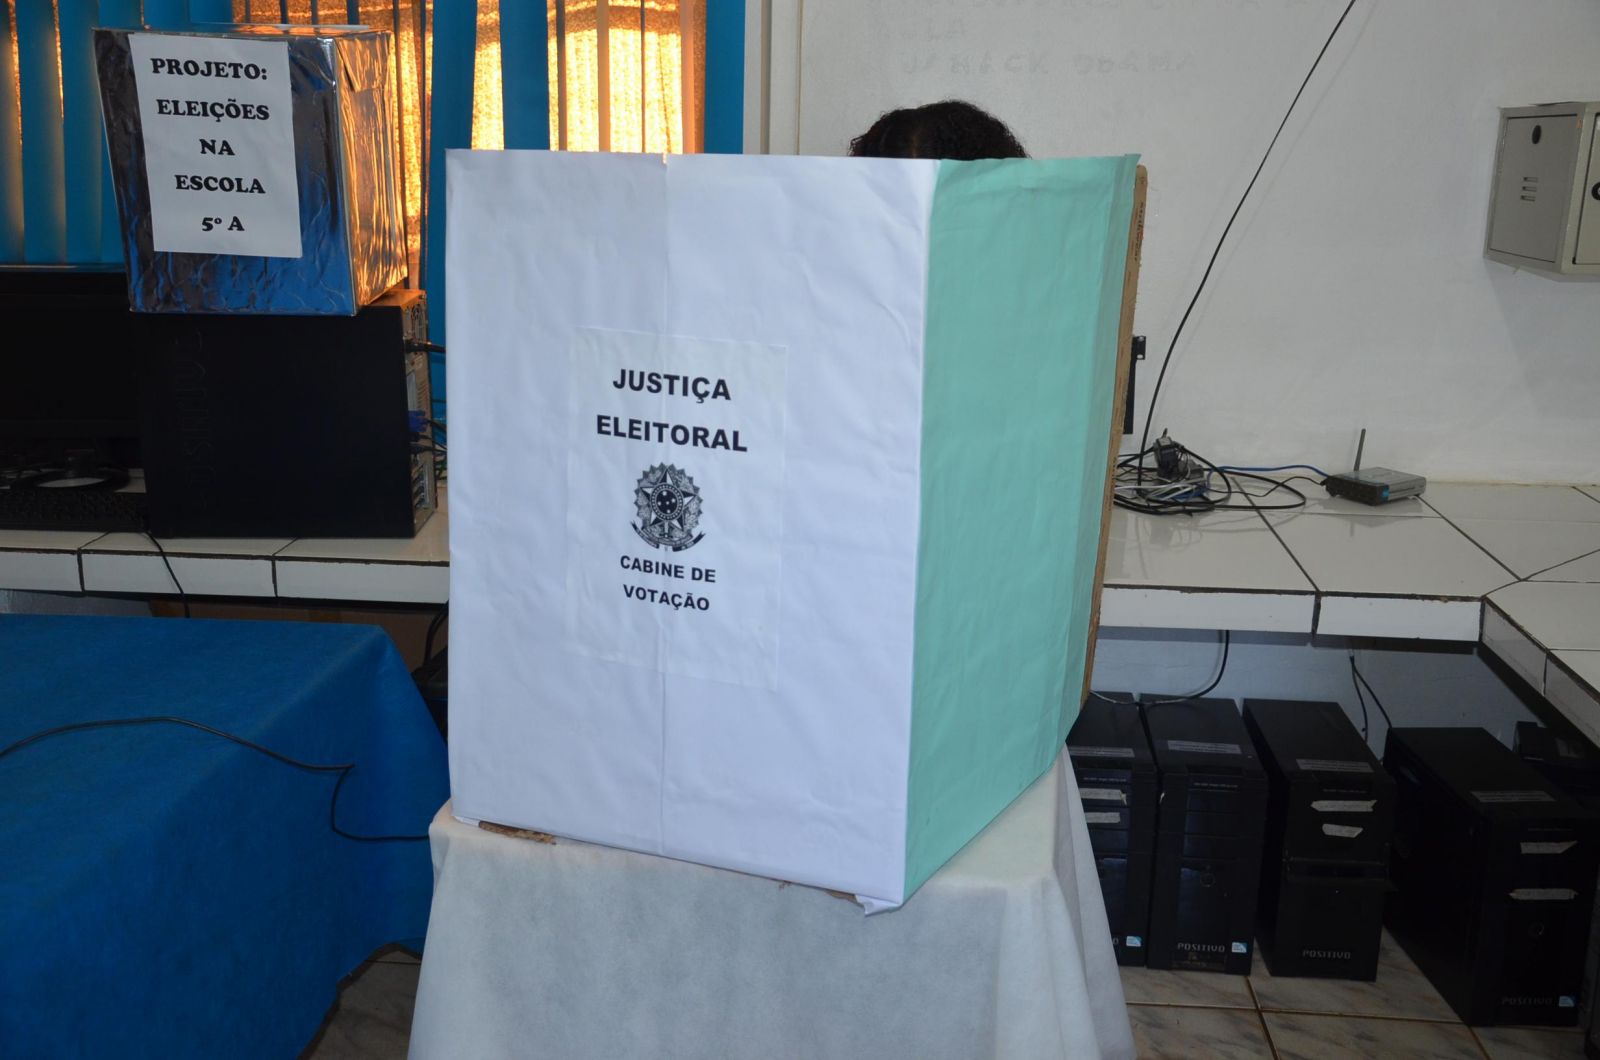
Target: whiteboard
x=1353, y=291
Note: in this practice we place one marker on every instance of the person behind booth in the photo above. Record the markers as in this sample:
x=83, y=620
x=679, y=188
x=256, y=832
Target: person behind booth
x=952, y=129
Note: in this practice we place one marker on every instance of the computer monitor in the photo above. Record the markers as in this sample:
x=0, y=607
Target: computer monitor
x=68, y=378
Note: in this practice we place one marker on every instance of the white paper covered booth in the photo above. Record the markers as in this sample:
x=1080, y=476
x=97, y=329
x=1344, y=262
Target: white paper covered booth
x=776, y=496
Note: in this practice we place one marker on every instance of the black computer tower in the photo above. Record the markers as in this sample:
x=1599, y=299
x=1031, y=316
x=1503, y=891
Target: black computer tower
x=1208, y=837
x=1566, y=760
x=277, y=426
x=66, y=378
x=1325, y=866
x=1116, y=777
x=1571, y=763
x=1494, y=872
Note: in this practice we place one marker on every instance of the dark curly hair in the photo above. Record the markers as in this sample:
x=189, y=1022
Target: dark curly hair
x=951, y=129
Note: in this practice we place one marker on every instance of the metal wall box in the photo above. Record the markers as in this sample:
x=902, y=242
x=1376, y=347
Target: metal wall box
x=1544, y=210
x=342, y=116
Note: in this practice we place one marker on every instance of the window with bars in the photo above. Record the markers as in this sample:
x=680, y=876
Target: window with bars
x=623, y=75
x=626, y=75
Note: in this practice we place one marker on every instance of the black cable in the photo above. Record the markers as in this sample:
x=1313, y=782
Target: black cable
x=1283, y=484
x=1181, y=501
x=1229, y=476
x=182, y=596
x=441, y=450
x=1362, y=678
x=1222, y=668
x=433, y=629
x=1144, y=439
x=333, y=804
x=1359, y=697
x=1198, y=496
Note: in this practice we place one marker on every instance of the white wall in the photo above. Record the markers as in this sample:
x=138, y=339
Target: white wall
x=1353, y=291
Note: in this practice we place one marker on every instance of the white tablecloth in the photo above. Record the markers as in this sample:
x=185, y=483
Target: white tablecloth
x=568, y=950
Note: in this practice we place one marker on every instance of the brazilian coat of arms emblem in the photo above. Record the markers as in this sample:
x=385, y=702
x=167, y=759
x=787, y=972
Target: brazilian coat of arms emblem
x=668, y=505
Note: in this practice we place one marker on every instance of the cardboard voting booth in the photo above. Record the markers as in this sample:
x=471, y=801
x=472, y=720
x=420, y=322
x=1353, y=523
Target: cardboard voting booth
x=776, y=497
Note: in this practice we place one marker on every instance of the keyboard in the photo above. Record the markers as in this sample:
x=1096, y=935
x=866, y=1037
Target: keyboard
x=68, y=509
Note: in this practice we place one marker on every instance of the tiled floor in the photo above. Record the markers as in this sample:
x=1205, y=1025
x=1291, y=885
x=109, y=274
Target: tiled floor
x=1194, y=1014
x=372, y=1018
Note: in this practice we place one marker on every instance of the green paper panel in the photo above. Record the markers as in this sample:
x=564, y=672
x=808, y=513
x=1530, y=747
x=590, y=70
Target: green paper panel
x=1025, y=277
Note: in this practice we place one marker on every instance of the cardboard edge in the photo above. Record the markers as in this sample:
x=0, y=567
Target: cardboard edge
x=1119, y=401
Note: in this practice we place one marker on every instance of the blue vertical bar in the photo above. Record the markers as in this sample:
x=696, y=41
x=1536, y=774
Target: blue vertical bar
x=724, y=120
x=455, y=40
x=166, y=14
x=81, y=129
x=211, y=10
x=525, y=73
x=117, y=14
x=44, y=207
x=10, y=149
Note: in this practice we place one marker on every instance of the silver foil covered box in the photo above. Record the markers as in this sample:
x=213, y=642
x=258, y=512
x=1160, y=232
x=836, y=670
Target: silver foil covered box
x=255, y=168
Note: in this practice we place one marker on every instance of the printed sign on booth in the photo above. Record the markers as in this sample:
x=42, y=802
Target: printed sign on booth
x=675, y=508
x=218, y=144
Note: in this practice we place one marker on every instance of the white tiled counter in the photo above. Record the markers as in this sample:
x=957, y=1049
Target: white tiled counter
x=1515, y=566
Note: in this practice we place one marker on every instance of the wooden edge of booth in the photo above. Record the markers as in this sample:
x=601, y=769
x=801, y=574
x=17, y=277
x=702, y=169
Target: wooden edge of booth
x=516, y=833
x=546, y=837
x=1119, y=400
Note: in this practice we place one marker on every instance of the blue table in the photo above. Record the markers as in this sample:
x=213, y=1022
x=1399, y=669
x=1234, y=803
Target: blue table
x=165, y=892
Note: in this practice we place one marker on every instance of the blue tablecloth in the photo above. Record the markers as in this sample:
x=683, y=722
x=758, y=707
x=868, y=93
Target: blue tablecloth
x=168, y=893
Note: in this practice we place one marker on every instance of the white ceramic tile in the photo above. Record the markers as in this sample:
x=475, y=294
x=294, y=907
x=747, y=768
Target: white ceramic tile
x=413, y=570
x=1529, y=546
x=130, y=563
x=430, y=545
x=197, y=575
x=1471, y=500
x=1584, y=569
x=1217, y=550
x=234, y=547
x=1318, y=503
x=1399, y=617
x=393, y=583
x=53, y=571
x=1387, y=555
x=1527, y=1043
x=1303, y=1037
x=1198, y=609
x=43, y=560
x=1572, y=686
x=47, y=540
x=1556, y=615
x=1162, y=1032
x=1513, y=647
x=1584, y=664
x=1163, y=986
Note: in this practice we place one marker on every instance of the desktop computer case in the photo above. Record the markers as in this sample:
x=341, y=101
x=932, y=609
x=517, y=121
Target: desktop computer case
x=1330, y=814
x=1494, y=872
x=273, y=426
x=1116, y=777
x=1569, y=762
x=1208, y=837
